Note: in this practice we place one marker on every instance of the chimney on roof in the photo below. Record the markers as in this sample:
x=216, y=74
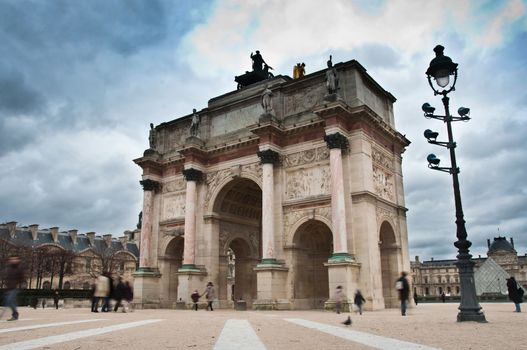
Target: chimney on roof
x=512, y=242
x=124, y=240
x=34, y=231
x=488, y=242
x=91, y=237
x=108, y=240
x=417, y=258
x=54, y=234
x=11, y=228
x=431, y=259
x=73, y=236
x=479, y=256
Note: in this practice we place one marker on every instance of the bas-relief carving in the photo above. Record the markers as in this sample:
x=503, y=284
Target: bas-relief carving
x=304, y=100
x=383, y=183
x=306, y=157
x=381, y=159
x=234, y=120
x=173, y=206
x=291, y=217
x=308, y=182
x=383, y=214
x=250, y=234
x=173, y=186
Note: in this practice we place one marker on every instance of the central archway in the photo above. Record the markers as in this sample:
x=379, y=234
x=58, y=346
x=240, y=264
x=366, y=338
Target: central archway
x=238, y=208
x=313, y=245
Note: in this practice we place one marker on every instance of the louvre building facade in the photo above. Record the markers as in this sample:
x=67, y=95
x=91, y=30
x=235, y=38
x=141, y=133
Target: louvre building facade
x=434, y=277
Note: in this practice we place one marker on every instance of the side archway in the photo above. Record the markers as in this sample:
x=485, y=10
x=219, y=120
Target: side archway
x=170, y=263
x=389, y=264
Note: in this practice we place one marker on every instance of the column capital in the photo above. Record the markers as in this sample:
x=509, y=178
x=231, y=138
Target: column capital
x=336, y=140
x=268, y=156
x=150, y=185
x=192, y=174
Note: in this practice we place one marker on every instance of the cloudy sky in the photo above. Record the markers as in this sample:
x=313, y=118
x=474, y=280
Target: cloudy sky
x=80, y=81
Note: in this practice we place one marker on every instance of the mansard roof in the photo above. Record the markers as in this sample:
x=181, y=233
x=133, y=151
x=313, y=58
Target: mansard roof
x=22, y=237
x=501, y=244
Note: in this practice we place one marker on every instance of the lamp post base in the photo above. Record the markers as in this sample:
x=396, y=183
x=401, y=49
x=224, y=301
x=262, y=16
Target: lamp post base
x=471, y=315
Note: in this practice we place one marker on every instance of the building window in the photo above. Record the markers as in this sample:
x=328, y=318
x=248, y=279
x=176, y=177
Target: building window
x=448, y=290
x=86, y=285
x=46, y=285
x=426, y=280
x=67, y=285
x=427, y=291
x=457, y=290
x=440, y=290
x=88, y=264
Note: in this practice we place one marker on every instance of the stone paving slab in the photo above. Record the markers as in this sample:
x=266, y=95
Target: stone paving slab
x=427, y=325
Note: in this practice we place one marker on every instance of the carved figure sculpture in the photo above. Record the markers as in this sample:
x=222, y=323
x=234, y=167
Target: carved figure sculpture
x=152, y=137
x=267, y=100
x=194, y=125
x=258, y=61
x=332, y=81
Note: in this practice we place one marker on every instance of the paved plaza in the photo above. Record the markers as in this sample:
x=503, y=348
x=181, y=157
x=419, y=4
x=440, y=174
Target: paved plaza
x=428, y=326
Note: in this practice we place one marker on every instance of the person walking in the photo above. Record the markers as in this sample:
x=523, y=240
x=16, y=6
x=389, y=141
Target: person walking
x=403, y=287
x=128, y=297
x=14, y=275
x=339, y=296
x=195, y=298
x=358, y=300
x=56, y=299
x=118, y=294
x=102, y=291
x=515, y=293
x=210, y=295
x=443, y=297
x=416, y=299
x=106, y=307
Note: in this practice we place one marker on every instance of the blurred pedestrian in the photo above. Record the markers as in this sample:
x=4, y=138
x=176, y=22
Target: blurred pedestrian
x=14, y=275
x=416, y=299
x=195, y=298
x=358, y=300
x=94, y=299
x=118, y=294
x=403, y=287
x=443, y=297
x=56, y=299
x=106, y=307
x=102, y=291
x=515, y=293
x=339, y=296
x=210, y=295
x=128, y=297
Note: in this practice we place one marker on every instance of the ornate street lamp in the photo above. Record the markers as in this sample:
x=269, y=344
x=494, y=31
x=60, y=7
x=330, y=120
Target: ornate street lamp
x=440, y=70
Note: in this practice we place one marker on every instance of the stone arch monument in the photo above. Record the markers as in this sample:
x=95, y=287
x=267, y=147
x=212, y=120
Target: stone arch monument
x=277, y=206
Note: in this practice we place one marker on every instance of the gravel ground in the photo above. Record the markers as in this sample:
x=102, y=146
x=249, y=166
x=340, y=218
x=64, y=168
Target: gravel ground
x=432, y=325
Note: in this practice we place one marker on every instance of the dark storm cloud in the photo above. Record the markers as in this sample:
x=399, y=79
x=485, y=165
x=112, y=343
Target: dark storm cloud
x=16, y=95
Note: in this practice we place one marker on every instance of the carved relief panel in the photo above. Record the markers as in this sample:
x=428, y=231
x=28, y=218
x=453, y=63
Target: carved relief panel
x=308, y=182
x=250, y=234
x=173, y=199
x=304, y=100
x=383, y=175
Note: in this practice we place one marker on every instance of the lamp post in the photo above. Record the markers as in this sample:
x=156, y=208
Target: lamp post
x=441, y=69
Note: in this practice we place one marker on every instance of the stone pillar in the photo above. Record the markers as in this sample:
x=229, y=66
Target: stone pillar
x=190, y=277
x=145, y=255
x=336, y=143
x=271, y=276
x=342, y=270
x=189, y=253
x=268, y=159
x=146, y=278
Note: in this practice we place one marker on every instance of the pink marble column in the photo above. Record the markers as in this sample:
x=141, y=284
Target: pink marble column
x=192, y=176
x=268, y=158
x=145, y=253
x=336, y=142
